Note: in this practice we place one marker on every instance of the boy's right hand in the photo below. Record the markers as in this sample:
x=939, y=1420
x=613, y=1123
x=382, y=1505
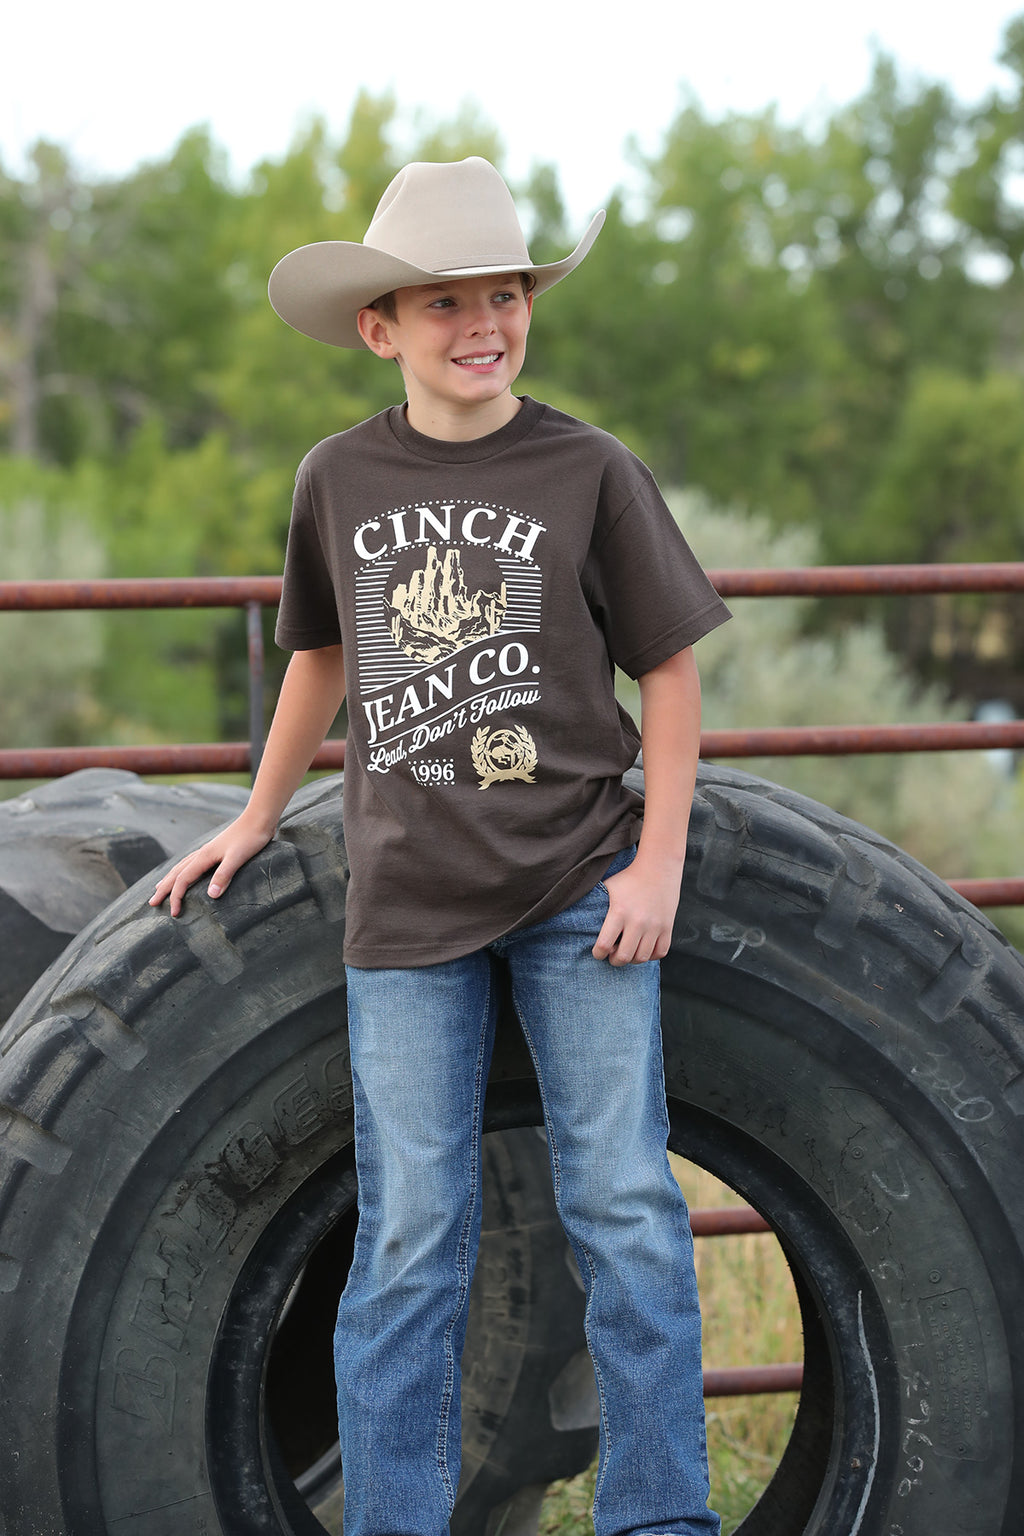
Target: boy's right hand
x=224, y=854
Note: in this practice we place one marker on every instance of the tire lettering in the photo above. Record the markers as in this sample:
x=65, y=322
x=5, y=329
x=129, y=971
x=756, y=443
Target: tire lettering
x=250, y=1157
x=162, y=1312
x=193, y=1232
x=745, y=938
x=144, y=1389
x=209, y=1212
x=970, y=1109
x=300, y=1111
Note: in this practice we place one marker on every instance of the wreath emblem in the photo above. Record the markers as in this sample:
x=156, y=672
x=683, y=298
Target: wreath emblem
x=507, y=753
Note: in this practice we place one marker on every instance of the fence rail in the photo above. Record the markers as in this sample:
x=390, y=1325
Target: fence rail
x=254, y=593
x=770, y=581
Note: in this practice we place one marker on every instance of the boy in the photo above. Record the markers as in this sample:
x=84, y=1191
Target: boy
x=470, y=566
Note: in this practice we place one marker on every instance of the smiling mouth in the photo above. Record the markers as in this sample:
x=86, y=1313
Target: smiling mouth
x=485, y=360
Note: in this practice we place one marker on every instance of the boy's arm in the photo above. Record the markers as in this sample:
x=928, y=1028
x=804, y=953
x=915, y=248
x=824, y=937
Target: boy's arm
x=644, y=896
x=311, y=695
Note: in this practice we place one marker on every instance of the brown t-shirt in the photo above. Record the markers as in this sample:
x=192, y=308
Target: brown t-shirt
x=483, y=591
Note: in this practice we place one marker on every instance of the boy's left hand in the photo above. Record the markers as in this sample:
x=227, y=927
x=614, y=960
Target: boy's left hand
x=642, y=907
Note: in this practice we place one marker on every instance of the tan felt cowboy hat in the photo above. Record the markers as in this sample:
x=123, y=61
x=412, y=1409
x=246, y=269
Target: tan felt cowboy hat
x=434, y=221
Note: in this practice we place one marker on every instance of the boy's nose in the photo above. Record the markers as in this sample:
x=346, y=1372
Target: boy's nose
x=480, y=319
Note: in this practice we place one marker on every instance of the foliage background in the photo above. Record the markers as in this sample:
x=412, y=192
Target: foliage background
x=815, y=338
x=817, y=333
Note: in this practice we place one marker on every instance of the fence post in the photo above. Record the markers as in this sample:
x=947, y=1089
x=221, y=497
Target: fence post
x=254, y=623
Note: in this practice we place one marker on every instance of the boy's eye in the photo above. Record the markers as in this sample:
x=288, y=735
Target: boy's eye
x=448, y=301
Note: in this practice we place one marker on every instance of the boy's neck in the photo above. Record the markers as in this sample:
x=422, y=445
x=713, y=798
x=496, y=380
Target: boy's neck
x=461, y=425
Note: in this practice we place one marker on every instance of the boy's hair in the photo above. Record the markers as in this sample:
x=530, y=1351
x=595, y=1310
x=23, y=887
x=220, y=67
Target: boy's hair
x=387, y=307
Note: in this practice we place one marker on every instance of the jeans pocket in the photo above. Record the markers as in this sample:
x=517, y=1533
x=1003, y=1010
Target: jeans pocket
x=622, y=860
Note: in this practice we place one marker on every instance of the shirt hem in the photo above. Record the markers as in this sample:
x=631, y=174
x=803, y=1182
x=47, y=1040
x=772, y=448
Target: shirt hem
x=569, y=889
x=678, y=639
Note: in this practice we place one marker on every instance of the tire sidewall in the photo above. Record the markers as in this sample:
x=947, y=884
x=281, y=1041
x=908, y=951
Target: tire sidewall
x=877, y=1141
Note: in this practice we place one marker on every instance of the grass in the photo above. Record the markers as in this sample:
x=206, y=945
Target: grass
x=750, y=1317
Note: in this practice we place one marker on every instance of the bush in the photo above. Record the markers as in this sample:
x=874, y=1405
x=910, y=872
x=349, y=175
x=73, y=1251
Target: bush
x=954, y=811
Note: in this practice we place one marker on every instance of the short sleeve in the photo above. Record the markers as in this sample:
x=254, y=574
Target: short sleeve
x=645, y=586
x=308, y=614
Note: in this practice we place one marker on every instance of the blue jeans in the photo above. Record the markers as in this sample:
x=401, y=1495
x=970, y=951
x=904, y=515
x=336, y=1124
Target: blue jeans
x=421, y=1043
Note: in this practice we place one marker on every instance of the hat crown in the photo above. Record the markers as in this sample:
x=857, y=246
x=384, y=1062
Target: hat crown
x=448, y=218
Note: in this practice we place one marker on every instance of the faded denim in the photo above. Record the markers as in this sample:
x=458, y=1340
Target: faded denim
x=421, y=1043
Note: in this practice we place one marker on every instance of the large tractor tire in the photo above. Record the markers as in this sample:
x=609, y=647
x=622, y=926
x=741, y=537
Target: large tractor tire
x=844, y=1044
x=529, y=1412
x=68, y=848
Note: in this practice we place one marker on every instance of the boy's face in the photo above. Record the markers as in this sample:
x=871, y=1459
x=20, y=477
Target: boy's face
x=460, y=344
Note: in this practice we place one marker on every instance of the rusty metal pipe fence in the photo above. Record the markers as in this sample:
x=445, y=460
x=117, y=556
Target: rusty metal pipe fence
x=255, y=593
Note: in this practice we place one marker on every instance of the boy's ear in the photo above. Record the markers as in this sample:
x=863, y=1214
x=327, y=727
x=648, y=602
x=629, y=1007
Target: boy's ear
x=374, y=329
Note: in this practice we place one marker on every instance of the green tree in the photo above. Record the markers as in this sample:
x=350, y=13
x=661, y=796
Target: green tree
x=799, y=322
x=951, y=810
x=49, y=662
x=982, y=194
x=42, y=257
x=116, y=301
x=950, y=484
x=804, y=279
x=950, y=487
x=160, y=320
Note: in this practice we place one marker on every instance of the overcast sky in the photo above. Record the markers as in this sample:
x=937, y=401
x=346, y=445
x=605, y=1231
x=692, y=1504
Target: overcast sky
x=117, y=81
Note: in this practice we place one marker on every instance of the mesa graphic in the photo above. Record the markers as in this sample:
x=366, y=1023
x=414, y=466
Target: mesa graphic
x=434, y=613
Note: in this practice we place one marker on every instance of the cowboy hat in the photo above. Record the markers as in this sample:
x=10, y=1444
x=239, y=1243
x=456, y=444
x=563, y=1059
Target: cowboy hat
x=434, y=221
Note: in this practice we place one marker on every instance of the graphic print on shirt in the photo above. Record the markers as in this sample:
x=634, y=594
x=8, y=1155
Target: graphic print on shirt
x=448, y=615
x=434, y=613
x=504, y=754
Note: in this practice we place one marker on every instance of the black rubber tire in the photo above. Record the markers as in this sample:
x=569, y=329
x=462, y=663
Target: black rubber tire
x=844, y=1045
x=188, y=1082
x=68, y=848
x=844, y=1042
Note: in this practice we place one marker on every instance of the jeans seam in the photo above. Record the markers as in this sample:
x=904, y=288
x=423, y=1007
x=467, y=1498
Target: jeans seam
x=556, y=1175
x=556, y=1171
x=462, y=1262
x=601, y=1396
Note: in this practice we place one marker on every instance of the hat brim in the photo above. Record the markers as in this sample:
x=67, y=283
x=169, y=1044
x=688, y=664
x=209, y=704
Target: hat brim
x=319, y=289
